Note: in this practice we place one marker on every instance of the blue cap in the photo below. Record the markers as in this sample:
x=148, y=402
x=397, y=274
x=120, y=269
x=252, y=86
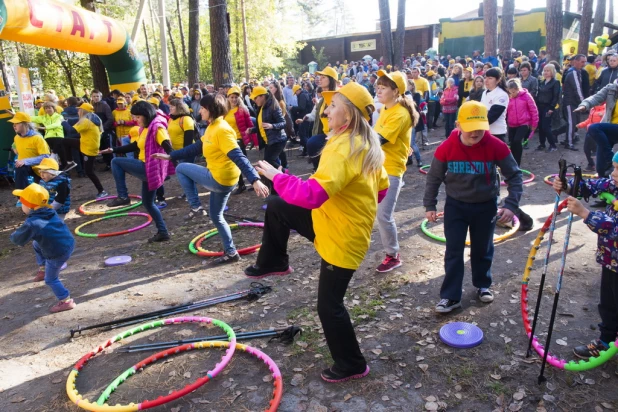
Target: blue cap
x=615, y=158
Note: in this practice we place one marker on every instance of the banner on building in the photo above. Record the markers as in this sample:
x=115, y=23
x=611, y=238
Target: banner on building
x=24, y=90
x=363, y=45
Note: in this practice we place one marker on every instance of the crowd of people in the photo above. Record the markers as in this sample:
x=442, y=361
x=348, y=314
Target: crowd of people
x=357, y=123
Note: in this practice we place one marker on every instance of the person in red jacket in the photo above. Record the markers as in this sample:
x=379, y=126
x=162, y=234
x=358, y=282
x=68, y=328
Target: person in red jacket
x=448, y=101
x=590, y=146
x=522, y=117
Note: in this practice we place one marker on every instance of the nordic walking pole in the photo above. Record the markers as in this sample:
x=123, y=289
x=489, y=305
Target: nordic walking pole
x=574, y=192
x=562, y=176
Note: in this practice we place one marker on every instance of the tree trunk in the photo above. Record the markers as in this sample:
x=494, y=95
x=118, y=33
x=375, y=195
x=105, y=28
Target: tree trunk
x=387, y=35
x=553, y=22
x=182, y=33
x=176, y=60
x=194, y=42
x=490, y=24
x=400, y=33
x=506, y=28
x=152, y=76
x=220, y=42
x=599, y=19
x=244, y=38
x=584, y=28
x=153, y=24
x=99, y=75
x=67, y=70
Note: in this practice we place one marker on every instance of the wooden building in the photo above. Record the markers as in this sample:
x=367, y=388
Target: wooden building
x=353, y=47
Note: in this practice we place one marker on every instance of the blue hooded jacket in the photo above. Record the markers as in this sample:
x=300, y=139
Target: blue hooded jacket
x=49, y=231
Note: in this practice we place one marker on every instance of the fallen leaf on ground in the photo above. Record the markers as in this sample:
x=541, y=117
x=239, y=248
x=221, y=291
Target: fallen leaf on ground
x=561, y=342
x=347, y=397
x=17, y=399
x=496, y=376
x=431, y=406
x=518, y=396
x=423, y=367
x=418, y=386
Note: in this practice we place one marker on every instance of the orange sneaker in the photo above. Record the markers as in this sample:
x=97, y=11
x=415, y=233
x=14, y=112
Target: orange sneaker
x=40, y=275
x=61, y=306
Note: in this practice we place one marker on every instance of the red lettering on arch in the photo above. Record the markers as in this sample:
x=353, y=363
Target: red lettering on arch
x=78, y=24
x=33, y=20
x=108, y=24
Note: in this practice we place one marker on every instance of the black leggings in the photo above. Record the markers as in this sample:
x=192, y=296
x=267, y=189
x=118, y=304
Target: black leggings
x=516, y=136
x=56, y=146
x=88, y=161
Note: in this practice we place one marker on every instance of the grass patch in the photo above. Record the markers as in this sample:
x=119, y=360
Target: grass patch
x=300, y=312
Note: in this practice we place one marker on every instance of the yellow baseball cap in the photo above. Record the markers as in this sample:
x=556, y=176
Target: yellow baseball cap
x=121, y=100
x=431, y=73
x=178, y=95
x=397, y=78
x=37, y=101
x=87, y=107
x=469, y=69
x=154, y=101
x=519, y=59
x=34, y=196
x=258, y=91
x=234, y=89
x=328, y=71
x=389, y=67
x=473, y=116
x=21, y=117
x=452, y=61
x=47, y=165
x=135, y=98
x=354, y=92
x=295, y=88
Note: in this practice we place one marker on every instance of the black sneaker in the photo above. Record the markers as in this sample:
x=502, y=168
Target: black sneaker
x=334, y=376
x=159, y=237
x=598, y=204
x=107, y=168
x=241, y=188
x=485, y=295
x=525, y=221
x=590, y=168
x=572, y=147
x=119, y=201
x=447, y=305
x=199, y=212
x=540, y=147
x=591, y=350
x=256, y=272
x=410, y=161
x=226, y=259
x=552, y=149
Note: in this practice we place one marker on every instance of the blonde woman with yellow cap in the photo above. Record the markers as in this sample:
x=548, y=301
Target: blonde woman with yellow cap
x=239, y=119
x=394, y=128
x=51, y=239
x=328, y=82
x=31, y=148
x=123, y=122
x=335, y=209
x=89, y=127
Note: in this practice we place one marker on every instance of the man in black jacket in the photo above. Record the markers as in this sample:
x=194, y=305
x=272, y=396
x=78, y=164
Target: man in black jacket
x=572, y=96
x=305, y=106
x=104, y=112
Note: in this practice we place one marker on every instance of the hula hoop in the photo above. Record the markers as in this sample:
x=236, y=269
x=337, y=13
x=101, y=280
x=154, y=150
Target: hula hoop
x=83, y=211
x=548, y=179
x=580, y=365
x=195, y=246
x=276, y=374
x=122, y=232
x=424, y=170
x=497, y=239
x=528, y=180
x=87, y=405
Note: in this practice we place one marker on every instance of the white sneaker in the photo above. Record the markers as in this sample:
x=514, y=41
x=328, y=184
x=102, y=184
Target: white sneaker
x=102, y=194
x=446, y=305
x=485, y=295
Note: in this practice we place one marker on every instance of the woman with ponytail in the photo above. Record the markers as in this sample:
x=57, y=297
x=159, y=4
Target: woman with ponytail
x=344, y=194
x=394, y=125
x=496, y=99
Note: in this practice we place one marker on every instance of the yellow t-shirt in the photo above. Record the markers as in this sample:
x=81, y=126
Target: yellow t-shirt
x=395, y=125
x=141, y=141
x=261, y=128
x=230, y=118
x=343, y=224
x=468, y=85
x=615, y=116
x=90, y=137
x=422, y=86
x=134, y=133
x=217, y=142
x=125, y=116
x=31, y=146
x=324, y=119
x=177, y=131
x=592, y=71
x=284, y=109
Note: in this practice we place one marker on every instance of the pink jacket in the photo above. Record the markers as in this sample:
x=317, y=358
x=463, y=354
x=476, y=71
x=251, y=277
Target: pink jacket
x=243, y=122
x=449, y=100
x=522, y=111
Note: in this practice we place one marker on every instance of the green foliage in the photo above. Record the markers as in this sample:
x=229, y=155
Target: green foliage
x=319, y=57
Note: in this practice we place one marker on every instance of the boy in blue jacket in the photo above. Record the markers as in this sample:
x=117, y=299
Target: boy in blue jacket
x=52, y=241
x=605, y=225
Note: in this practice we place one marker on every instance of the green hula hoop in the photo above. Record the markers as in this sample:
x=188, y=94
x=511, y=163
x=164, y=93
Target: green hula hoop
x=442, y=239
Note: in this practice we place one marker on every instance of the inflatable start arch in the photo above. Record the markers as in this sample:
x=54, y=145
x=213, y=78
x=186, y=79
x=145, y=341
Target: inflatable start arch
x=49, y=23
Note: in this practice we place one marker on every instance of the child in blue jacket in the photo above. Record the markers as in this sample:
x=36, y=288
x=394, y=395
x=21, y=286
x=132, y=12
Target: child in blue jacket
x=52, y=241
x=605, y=225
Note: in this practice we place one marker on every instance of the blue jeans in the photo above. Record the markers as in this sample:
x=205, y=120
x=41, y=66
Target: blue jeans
x=125, y=140
x=606, y=136
x=315, y=144
x=52, y=269
x=480, y=218
x=417, y=153
x=449, y=122
x=137, y=168
x=189, y=175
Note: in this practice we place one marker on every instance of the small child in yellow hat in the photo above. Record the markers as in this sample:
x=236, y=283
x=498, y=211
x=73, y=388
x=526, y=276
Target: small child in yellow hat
x=52, y=241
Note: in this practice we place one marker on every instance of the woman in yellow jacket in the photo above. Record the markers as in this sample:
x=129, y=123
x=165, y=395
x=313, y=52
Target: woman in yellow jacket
x=51, y=124
x=123, y=122
x=335, y=209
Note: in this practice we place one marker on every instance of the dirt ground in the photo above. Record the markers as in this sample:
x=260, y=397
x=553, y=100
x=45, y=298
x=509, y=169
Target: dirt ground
x=411, y=369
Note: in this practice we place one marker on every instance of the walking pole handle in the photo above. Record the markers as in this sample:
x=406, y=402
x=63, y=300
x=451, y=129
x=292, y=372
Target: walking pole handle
x=562, y=164
x=575, y=190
